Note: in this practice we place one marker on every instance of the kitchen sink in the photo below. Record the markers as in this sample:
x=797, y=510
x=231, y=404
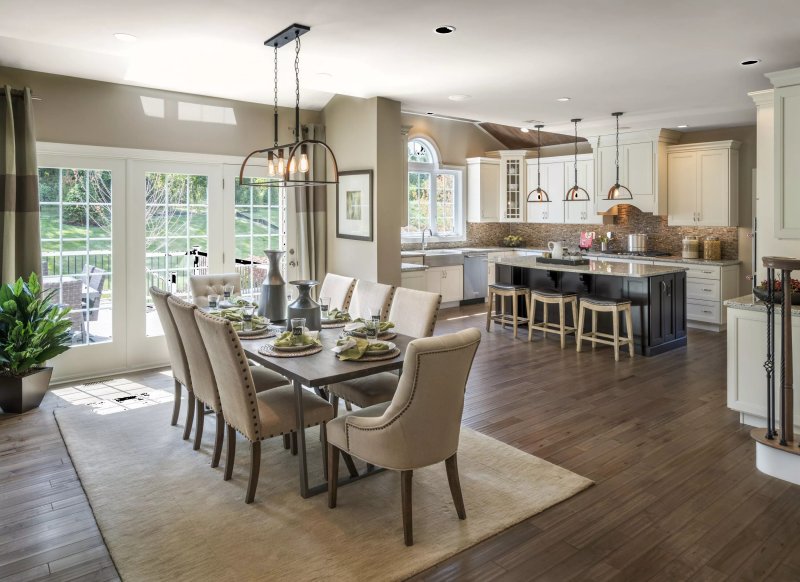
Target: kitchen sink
x=443, y=258
x=435, y=252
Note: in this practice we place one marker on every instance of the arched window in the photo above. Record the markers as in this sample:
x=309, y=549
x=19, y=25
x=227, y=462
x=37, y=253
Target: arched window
x=434, y=193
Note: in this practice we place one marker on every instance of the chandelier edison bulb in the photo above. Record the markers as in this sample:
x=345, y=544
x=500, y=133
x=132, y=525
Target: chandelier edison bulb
x=271, y=164
x=303, y=159
x=293, y=165
x=281, y=163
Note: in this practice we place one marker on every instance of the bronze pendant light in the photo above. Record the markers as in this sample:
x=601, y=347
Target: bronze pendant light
x=618, y=192
x=538, y=195
x=294, y=169
x=576, y=193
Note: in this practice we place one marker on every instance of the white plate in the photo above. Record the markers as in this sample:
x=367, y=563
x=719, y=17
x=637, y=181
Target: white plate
x=289, y=348
x=356, y=325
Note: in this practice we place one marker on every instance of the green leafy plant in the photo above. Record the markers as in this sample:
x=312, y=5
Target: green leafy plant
x=513, y=240
x=33, y=329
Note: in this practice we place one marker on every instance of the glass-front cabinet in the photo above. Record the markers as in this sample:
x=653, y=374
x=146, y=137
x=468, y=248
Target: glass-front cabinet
x=512, y=186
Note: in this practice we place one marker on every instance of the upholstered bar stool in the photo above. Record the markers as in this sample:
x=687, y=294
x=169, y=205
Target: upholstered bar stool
x=615, y=307
x=553, y=297
x=514, y=291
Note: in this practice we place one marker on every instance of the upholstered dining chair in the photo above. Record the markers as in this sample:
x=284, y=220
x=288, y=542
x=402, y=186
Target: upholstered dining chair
x=257, y=416
x=339, y=289
x=204, y=385
x=370, y=299
x=204, y=285
x=177, y=359
x=414, y=314
x=419, y=427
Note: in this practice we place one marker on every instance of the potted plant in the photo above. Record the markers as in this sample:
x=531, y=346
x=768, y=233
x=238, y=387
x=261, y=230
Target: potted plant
x=513, y=241
x=33, y=330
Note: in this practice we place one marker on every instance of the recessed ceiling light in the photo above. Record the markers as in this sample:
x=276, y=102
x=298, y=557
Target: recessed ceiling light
x=124, y=37
x=459, y=97
x=682, y=126
x=563, y=99
x=444, y=29
x=748, y=62
x=524, y=129
x=430, y=113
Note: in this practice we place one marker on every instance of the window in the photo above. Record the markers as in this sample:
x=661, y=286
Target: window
x=75, y=228
x=434, y=194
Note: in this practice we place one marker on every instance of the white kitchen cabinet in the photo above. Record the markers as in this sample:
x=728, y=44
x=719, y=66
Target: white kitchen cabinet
x=512, y=185
x=483, y=189
x=642, y=168
x=448, y=281
x=414, y=280
x=581, y=212
x=552, y=174
x=787, y=152
x=703, y=184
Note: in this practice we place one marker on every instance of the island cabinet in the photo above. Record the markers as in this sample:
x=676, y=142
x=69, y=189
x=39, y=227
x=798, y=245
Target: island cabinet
x=657, y=295
x=642, y=168
x=703, y=183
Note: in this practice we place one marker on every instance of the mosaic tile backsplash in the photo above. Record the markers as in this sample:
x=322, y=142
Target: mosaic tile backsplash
x=630, y=220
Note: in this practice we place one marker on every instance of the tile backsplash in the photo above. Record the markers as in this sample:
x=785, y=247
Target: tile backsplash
x=630, y=220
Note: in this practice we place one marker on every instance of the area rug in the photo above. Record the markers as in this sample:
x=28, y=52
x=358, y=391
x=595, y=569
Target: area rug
x=166, y=514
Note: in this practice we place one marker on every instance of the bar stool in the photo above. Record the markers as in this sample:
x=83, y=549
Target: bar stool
x=514, y=291
x=553, y=297
x=614, y=306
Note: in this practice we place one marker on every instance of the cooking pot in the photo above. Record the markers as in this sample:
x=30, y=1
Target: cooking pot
x=637, y=243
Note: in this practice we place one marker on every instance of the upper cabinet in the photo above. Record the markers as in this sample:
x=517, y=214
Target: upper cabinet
x=558, y=176
x=703, y=182
x=642, y=168
x=787, y=152
x=483, y=189
x=512, y=185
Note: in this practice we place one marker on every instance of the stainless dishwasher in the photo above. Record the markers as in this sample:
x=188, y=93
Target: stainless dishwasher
x=476, y=277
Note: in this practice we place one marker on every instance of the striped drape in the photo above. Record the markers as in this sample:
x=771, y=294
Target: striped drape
x=311, y=204
x=20, y=244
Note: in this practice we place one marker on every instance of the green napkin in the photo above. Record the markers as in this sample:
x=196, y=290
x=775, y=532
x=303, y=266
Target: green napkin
x=287, y=340
x=383, y=327
x=355, y=352
x=231, y=314
x=338, y=315
x=242, y=302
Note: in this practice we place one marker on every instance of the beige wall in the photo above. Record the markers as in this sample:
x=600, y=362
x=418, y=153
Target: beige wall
x=390, y=190
x=85, y=112
x=455, y=140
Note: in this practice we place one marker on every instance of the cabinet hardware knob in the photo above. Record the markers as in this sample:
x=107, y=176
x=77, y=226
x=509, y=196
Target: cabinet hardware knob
x=708, y=290
x=706, y=311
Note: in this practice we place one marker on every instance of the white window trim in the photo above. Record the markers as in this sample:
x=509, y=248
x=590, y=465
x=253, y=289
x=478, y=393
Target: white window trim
x=434, y=168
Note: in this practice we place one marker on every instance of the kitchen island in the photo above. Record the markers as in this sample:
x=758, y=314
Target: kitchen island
x=657, y=294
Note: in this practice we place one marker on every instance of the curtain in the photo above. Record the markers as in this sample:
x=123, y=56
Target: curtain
x=20, y=244
x=311, y=204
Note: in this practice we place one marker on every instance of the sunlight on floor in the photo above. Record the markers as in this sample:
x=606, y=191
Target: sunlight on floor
x=114, y=395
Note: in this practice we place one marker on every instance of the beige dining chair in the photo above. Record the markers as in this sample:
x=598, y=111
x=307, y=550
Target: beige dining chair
x=413, y=314
x=419, y=427
x=203, y=383
x=370, y=299
x=177, y=359
x=339, y=289
x=257, y=416
x=204, y=285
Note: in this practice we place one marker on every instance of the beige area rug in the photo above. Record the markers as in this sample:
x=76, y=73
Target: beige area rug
x=167, y=515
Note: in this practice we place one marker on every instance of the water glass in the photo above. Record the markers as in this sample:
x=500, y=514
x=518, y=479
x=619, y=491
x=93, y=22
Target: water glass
x=324, y=307
x=227, y=291
x=371, y=328
x=298, y=326
x=247, y=317
x=213, y=301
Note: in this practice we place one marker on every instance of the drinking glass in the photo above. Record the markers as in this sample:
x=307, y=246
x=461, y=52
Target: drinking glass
x=371, y=328
x=247, y=317
x=324, y=307
x=227, y=291
x=298, y=325
x=213, y=301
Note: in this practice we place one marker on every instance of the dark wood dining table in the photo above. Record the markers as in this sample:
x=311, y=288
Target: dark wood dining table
x=317, y=371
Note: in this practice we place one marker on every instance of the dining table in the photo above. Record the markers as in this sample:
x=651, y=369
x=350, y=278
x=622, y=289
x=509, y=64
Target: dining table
x=316, y=371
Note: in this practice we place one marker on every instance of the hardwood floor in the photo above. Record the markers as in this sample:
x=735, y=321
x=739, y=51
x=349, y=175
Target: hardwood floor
x=677, y=495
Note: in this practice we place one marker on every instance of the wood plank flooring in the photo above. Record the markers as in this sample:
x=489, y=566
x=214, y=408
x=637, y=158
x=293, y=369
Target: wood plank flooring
x=677, y=495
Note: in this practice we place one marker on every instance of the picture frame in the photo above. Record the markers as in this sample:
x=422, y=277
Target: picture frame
x=354, y=205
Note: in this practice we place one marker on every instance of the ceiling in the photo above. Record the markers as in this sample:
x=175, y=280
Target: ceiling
x=663, y=63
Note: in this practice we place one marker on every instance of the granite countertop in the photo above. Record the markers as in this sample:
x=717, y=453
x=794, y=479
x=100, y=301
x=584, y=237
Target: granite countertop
x=750, y=303
x=614, y=269
x=668, y=259
x=471, y=249
x=406, y=267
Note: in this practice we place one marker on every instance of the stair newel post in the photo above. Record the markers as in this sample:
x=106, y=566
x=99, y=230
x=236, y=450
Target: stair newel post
x=769, y=364
x=787, y=420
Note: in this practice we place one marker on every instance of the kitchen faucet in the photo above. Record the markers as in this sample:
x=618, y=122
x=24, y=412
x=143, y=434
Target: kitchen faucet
x=424, y=244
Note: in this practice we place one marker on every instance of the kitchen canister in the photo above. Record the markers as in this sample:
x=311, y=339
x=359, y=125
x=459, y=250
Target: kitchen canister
x=691, y=247
x=712, y=248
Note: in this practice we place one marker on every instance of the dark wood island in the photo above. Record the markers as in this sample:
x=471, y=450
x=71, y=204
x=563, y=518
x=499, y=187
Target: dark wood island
x=657, y=294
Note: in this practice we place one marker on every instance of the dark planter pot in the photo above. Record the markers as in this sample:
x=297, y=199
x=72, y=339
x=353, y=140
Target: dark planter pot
x=761, y=293
x=23, y=394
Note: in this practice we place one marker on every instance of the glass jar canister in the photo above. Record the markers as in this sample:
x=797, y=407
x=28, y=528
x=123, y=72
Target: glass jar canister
x=691, y=247
x=712, y=248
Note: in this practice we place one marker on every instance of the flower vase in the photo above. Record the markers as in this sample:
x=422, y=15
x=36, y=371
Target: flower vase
x=272, y=303
x=304, y=306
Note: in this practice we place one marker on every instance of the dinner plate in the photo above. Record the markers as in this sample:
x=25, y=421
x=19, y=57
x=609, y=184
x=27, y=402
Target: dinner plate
x=390, y=347
x=257, y=330
x=227, y=304
x=290, y=348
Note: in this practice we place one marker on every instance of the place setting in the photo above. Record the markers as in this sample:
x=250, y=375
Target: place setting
x=243, y=314
x=297, y=341
x=370, y=327
x=332, y=318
